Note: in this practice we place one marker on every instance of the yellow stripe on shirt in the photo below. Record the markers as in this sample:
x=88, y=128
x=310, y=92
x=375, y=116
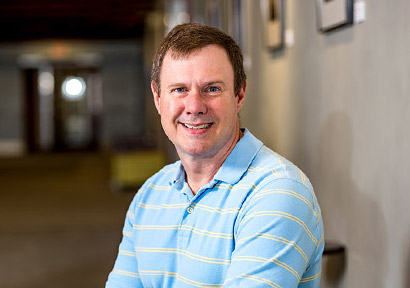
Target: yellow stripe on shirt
x=264, y=260
x=255, y=278
x=288, y=192
x=259, y=169
x=162, y=206
x=184, y=227
x=308, y=279
x=278, y=239
x=185, y=253
x=285, y=215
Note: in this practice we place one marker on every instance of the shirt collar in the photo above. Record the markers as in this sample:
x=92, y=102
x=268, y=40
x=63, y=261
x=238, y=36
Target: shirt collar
x=234, y=166
x=178, y=173
x=240, y=158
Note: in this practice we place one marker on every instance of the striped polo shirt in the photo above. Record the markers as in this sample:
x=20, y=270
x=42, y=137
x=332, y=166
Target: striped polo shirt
x=256, y=224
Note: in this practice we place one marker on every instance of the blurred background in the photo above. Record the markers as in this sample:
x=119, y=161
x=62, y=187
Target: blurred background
x=79, y=132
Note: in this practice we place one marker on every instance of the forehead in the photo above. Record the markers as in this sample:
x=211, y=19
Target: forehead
x=177, y=54
x=211, y=58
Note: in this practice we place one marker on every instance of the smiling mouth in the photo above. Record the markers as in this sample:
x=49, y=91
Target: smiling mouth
x=201, y=126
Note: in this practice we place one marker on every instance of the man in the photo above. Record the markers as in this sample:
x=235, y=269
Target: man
x=231, y=212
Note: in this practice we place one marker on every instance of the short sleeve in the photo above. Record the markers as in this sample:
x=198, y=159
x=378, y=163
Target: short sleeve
x=125, y=271
x=278, y=238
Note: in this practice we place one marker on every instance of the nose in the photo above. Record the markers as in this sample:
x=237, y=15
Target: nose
x=195, y=103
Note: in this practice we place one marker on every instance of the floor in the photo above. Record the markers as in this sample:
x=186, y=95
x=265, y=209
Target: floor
x=60, y=223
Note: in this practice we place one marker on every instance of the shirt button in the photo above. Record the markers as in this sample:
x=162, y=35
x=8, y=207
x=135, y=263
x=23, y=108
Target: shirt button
x=190, y=209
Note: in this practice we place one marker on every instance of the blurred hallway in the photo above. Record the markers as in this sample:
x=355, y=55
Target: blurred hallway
x=60, y=225
x=336, y=104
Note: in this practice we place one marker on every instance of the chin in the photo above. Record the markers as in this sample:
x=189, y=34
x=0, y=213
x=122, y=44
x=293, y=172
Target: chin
x=195, y=151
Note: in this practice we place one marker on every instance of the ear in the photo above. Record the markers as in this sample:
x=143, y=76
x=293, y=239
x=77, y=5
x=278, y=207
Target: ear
x=241, y=97
x=157, y=99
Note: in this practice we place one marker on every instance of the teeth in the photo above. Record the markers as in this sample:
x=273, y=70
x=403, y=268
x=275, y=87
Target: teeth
x=197, y=127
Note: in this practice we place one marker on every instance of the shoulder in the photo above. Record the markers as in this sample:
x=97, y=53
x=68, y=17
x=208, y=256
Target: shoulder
x=277, y=167
x=279, y=185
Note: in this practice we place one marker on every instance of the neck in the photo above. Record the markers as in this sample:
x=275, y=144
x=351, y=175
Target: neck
x=200, y=171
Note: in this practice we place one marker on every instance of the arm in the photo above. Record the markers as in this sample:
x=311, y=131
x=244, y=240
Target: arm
x=278, y=238
x=125, y=271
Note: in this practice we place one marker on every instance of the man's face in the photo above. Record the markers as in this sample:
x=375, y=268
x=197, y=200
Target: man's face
x=197, y=104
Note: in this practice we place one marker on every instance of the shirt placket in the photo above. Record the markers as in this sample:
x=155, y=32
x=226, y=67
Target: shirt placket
x=186, y=222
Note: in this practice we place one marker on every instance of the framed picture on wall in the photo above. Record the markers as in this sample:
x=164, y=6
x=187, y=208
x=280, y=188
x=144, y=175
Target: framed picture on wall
x=333, y=14
x=273, y=15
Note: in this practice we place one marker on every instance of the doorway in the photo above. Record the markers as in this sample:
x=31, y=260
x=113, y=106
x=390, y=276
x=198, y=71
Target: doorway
x=63, y=108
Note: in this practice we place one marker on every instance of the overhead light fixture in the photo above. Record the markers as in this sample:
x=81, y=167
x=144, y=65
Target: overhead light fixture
x=73, y=88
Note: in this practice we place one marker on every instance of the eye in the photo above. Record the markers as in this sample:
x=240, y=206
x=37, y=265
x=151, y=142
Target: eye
x=212, y=89
x=179, y=90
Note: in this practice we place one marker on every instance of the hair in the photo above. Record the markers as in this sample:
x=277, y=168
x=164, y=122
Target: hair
x=183, y=39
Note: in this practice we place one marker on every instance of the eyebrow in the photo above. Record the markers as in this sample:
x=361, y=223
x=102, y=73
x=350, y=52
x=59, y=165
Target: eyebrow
x=175, y=85
x=181, y=84
x=214, y=82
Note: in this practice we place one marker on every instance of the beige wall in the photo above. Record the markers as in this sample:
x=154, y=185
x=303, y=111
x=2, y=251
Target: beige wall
x=338, y=105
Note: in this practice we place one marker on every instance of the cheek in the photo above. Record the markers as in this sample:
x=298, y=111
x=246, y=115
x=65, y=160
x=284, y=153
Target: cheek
x=171, y=109
x=228, y=109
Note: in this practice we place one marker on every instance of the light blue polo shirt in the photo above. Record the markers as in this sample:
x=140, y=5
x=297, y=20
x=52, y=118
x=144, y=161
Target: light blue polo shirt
x=256, y=224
